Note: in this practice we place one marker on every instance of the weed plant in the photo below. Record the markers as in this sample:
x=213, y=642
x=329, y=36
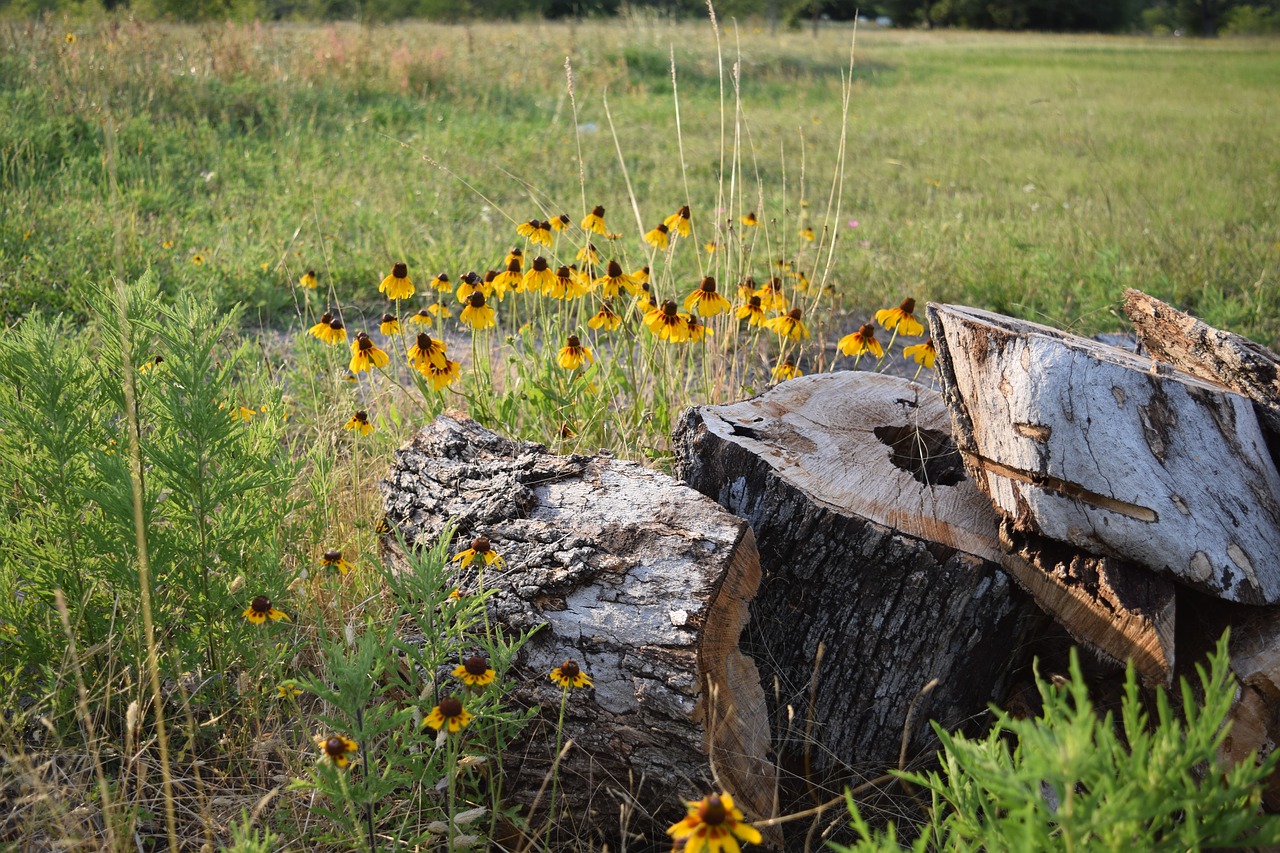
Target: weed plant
x=1070, y=779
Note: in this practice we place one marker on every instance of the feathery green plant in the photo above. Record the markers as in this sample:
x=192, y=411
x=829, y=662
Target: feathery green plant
x=1072, y=780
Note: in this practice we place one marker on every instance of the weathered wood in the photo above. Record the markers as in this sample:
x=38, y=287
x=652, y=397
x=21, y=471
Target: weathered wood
x=1255, y=715
x=1118, y=609
x=1193, y=346
x=644, y=582
x=1100, y=448
x=832, y=471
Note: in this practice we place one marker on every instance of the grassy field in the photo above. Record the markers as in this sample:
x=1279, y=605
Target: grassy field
x=165, y=190
x=1034, y=175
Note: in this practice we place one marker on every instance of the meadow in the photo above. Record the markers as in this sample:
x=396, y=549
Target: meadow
x=190, y=537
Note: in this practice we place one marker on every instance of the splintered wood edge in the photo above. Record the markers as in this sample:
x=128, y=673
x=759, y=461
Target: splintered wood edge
x=1193, y=346
x=1120, y=635
x=731, y=702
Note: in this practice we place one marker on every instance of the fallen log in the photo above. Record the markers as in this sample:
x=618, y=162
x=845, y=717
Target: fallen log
x=644, y=583
x=1102, y=449
x=880, y=568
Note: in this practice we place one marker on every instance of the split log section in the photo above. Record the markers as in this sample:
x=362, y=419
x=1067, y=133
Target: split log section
x=644, y=582
x=1112, y=453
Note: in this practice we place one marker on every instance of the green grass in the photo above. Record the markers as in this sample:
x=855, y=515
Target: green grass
x=1033, y=175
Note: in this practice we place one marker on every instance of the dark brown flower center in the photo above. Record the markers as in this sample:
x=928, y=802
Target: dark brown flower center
x=471, y=278
x=424, y=341
x=569, y=670
x=311, y=273
x=533, y=223
x=335, y=747
x=598, y=210
x=563, y=272
x=480, y=544
x=544, y=226
x=662, y=228
x=326, y=318
x=908, y=306
x=400, y=271
x=563, y=218
x=513, y=265
x=795, y=313
x=516, y=252
x=574, y=343
x=365, y=343
x=442, y=278
x=261, y=604
x=539, y=264
x=388, y=318
x=867, y=331
x=363, y=417
x=669, y=308
x=476, y=300
x=712, y=811
x=708, y=285
x=423, y=312
x=615, y=269
x=476, y=665
x=644, y=271
x=490, y=275
x=683, y=213
x=333, y=556
x=336, y=325
x=450, y=707
x=754, y=302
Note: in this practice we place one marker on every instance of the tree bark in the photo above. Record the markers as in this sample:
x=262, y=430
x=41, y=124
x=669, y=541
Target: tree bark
x=1195, y=347
x=644, y=583
x=1111, y=453
x=879, y=566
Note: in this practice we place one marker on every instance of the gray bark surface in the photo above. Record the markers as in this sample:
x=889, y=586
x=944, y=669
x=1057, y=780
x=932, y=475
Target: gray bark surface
x=643, y=582
x=825, y=468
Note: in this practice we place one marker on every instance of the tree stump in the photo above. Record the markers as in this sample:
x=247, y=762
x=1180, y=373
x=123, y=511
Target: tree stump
x=1111, y=453
x=880, y=565
x=641, y=580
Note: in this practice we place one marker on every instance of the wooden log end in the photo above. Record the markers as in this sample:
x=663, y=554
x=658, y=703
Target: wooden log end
x=641, y=581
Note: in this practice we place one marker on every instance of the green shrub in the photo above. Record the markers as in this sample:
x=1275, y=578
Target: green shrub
x=1071, y=780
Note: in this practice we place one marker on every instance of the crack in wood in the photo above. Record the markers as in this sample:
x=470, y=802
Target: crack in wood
x=1062, y=487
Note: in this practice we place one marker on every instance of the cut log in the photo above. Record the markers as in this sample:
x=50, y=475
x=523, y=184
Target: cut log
x=1195, y=347
x=876, y=548
x=1097, y=447
x=644, y=583
x=1118, y=609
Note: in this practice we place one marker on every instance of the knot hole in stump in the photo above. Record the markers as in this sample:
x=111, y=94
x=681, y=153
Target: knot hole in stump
x=927, y=454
